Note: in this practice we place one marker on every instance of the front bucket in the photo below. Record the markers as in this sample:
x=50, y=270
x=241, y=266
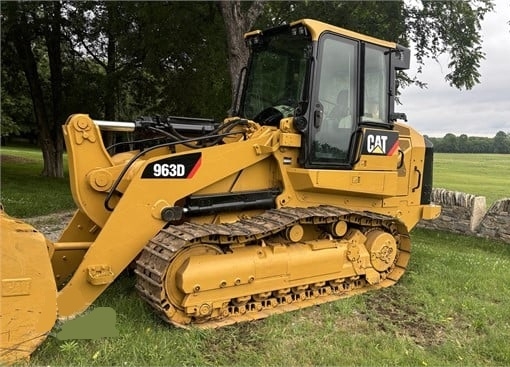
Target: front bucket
x=28, y=291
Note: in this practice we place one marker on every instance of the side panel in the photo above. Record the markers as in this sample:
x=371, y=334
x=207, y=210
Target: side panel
x=391, y=176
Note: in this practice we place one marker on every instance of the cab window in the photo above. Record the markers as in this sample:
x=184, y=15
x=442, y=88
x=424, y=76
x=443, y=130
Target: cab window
x=336, y=99
x=376, y=87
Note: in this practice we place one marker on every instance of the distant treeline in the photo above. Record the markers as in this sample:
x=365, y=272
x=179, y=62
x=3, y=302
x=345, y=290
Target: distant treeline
x=451, y=143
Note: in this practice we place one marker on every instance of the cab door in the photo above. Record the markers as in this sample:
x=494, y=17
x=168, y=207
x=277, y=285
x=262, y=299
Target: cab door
x=334, y=105
x=351, y=92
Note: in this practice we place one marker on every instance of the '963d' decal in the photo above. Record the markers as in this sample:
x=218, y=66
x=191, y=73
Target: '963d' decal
x=183, y=166
x=380, y=142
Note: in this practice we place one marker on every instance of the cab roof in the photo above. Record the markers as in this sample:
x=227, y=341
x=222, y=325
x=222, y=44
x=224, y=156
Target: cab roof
x=316, y=28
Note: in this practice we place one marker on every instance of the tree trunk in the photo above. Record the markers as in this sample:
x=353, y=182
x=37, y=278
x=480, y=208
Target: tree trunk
x=110, y=69
x=21, y=35
x=23, y=46
x=53, y=37
x=111, y=63
x=237, y=24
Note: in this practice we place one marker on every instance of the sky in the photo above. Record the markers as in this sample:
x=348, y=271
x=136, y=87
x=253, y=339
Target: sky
x=482, y=111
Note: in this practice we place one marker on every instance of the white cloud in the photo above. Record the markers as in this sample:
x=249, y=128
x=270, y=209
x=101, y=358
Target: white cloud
x=483, y=110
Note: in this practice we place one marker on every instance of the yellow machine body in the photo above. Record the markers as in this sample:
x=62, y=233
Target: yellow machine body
x=29, y=305
x=227, y=226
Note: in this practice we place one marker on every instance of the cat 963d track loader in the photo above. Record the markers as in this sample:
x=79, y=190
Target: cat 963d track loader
x=305, y=194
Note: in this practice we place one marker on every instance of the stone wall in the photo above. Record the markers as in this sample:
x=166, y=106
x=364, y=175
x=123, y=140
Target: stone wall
x=496, y=222
x=468, y=214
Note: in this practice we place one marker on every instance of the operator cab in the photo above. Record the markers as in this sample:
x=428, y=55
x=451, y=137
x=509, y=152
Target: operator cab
x=332, y=81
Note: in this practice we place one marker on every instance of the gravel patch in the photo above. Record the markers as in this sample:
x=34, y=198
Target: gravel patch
x=51, y=225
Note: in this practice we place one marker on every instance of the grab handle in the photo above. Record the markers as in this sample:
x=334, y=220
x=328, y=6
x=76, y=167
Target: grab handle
x=419, y=179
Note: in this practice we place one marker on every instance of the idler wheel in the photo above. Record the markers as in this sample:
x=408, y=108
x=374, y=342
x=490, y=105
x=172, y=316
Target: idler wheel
x=382, y=248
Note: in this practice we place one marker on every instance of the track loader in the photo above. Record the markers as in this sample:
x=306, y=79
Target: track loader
x=305, y=194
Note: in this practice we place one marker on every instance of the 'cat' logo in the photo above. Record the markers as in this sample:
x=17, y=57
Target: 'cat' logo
x=376, y=144
x=380, y=142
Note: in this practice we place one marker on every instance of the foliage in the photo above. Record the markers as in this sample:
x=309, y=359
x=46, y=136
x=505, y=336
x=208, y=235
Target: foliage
x=153, y=58
x=431, y=28
x=29, y=28
x=450, y=27
x=16, y=105
x=450, y=143
x=121, y=60
x=502, y=143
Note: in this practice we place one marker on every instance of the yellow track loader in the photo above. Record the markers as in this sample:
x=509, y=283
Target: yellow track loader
x=305, y=194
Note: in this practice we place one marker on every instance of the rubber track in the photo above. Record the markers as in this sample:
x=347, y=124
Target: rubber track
x=160, y=251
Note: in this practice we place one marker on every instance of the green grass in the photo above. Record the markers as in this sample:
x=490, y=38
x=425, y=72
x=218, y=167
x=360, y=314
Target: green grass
x=449, y=309
x=25, y=193
x=478, y=174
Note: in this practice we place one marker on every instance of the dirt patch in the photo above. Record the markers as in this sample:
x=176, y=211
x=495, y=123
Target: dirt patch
x=7, y=158
x=393, y=310
x=51, y=225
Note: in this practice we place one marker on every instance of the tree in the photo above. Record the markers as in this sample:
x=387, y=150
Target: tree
x=432, y=28
x=472, y=144
x=452, y=27
x=239, y=17
x=120, y=60
x=25, y=23
x=450, y=143
x=501, y=143
x=16, y=106
x=95, y=29
x=52, y=140
x=145, y=49
x=190, y=68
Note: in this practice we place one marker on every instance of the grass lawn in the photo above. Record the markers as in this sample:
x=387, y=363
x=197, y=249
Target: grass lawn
x=449, y=309
x=24, y=192
x=478, y=174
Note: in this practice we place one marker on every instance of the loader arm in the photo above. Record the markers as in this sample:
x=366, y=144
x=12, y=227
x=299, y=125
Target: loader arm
x=144, y=192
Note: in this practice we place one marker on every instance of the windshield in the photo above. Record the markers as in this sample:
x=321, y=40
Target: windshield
x=276, y=76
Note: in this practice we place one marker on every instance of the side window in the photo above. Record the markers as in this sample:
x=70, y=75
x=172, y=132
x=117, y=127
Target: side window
x=337, y=93
x=376, y=87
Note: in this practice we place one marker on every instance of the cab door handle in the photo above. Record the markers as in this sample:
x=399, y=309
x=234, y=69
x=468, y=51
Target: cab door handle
x=419, y=178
